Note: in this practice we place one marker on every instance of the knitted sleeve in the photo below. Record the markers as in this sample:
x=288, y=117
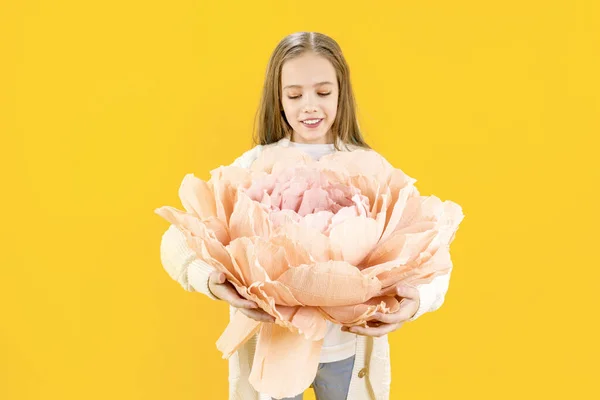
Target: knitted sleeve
x=432, y=294
x=180, y=261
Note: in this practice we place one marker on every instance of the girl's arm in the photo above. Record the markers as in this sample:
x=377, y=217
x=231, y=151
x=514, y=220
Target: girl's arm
x=180, y=261
x=182, y=264
x=432, y=294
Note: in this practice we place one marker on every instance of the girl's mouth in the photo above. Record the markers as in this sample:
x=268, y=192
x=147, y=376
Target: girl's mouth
x=312, y=123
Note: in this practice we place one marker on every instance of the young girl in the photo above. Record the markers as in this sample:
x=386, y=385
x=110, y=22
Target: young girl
x=308, y=103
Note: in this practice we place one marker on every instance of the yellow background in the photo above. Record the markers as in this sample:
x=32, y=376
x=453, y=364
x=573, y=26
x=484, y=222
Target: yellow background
x=105, y=106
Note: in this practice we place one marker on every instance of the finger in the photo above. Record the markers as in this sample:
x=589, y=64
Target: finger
x=224, y=290
x=407, y=291
x=258, y=315
x=217, y=277
x=377, y=317
x=377, y=332
x=232, y=297
x=386, y=318
x=227, y=292
x=407, y=309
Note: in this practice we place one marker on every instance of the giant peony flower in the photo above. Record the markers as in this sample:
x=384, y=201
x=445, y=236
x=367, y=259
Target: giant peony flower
x=311, y=241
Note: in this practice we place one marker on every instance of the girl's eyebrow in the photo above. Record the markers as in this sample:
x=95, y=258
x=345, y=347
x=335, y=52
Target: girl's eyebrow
x=315, y=85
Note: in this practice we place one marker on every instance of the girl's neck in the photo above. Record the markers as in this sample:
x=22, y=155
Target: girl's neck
x=328, y=142
x=324, y=145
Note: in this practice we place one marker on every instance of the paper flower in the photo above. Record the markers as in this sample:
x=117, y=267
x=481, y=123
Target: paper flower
x=311, y=241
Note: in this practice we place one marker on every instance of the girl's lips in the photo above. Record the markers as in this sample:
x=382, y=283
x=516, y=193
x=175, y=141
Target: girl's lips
x=313, y=125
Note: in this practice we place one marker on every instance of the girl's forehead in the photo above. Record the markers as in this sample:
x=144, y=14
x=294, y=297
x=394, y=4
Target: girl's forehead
x=315, y=85
x=307, y=71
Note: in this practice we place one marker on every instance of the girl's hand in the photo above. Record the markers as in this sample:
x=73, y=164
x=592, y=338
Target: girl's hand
x=224, y=290
x=382, y=324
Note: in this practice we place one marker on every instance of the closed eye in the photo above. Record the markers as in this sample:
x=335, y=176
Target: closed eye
x=297, y=97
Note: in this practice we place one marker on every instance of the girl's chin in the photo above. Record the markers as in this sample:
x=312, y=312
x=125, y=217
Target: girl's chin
x=310, y=137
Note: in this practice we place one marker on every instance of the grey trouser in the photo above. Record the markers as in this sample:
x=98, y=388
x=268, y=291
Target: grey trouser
x=332, y=381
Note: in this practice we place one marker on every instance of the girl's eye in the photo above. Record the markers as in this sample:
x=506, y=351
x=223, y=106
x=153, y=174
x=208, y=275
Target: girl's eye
x=320, y=94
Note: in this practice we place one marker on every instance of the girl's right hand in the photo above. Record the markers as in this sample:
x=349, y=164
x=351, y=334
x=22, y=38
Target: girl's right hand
x=221, y=288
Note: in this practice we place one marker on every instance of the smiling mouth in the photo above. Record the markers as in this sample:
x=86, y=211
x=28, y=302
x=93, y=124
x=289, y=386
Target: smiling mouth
x=312, y=122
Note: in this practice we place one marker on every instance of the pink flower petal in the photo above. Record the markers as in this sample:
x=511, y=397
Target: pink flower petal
x=404, y=244
x=238, y=331
x=357, y=314
x=331, y=283
x=249, y=219
x=359, y=162
x=440, y=263
x=245, y=255
x=224, y=199
x=270, y=156
x=295, y=253
x=278, y=353
x=291, y=195
x=318, y=221
x=310, y=323
x=219, y=229
x=312, y=199
x=314, y=242
x=196, y=197
x=276, y=294
x=353, y=239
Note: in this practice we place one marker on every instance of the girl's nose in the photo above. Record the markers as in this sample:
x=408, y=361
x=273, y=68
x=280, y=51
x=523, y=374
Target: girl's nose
x=310, y=102
x=309, y=108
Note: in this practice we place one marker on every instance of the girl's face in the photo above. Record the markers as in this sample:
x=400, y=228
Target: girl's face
x=309, y=97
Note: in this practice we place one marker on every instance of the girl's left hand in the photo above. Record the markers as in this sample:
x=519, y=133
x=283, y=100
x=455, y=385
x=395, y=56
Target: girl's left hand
x=382, y=324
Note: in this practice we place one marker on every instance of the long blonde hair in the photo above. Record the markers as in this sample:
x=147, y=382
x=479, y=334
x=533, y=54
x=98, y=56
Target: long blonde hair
x=272, y=124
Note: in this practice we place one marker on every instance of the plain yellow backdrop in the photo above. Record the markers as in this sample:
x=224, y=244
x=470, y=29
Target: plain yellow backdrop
x=105, y=106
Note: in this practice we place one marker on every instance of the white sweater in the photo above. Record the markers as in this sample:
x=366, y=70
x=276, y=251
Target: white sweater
x=372, y=354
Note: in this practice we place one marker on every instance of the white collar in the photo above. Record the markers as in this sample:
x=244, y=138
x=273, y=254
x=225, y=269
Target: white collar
x=285, y=142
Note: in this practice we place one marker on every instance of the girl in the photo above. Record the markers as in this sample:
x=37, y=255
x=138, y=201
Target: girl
x=308, y=103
